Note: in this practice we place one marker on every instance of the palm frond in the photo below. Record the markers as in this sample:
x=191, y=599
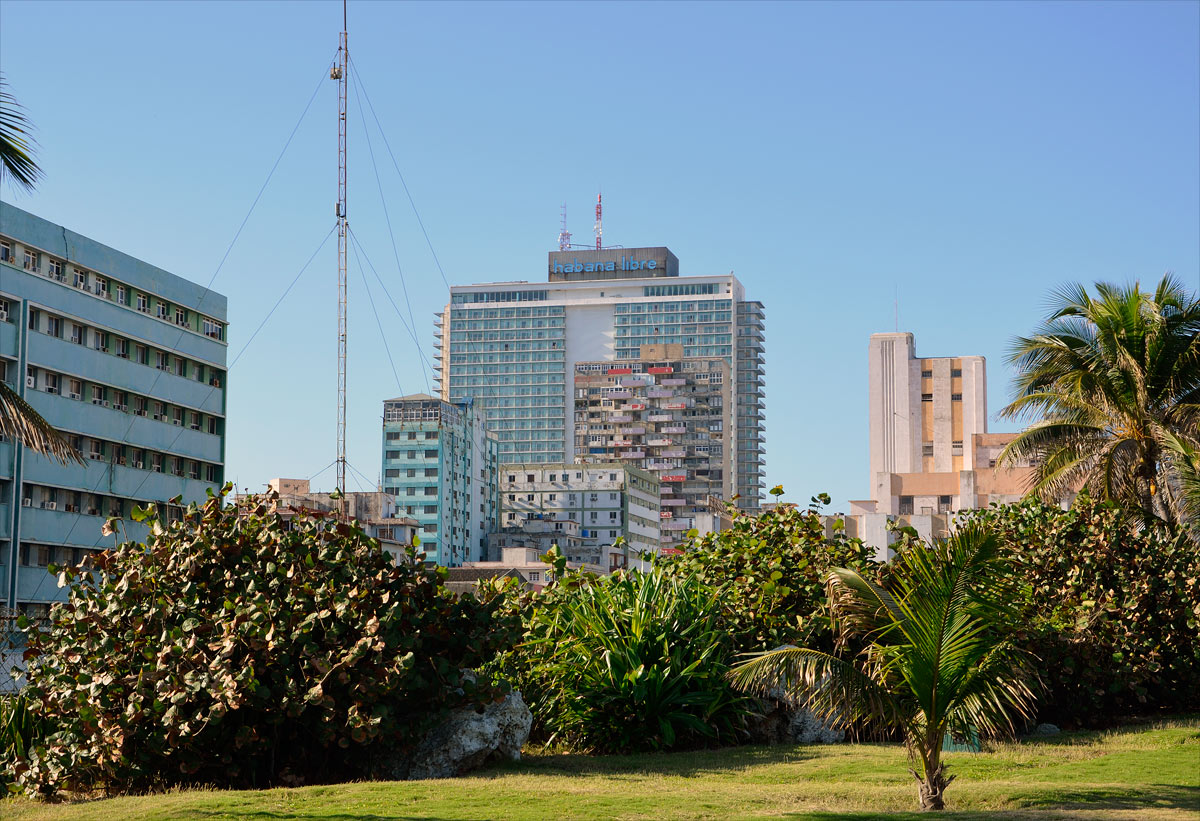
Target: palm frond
x=23, y=424
x=16, y=144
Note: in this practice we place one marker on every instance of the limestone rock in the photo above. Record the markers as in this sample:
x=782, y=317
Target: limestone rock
x=468, y=739
x=1047, y=729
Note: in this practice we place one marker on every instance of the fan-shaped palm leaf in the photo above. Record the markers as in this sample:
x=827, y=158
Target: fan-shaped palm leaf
x=19, y=421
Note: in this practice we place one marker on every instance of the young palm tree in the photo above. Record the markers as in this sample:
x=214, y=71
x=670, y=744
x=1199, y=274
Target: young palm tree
x=935, y=660
x=1111, y=379
x=16, y=145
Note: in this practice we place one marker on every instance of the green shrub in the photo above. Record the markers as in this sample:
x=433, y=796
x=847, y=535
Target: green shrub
x=771, y=571
x=240, y=647
x=631, y=661
x=1111, y=608
x=20, y=730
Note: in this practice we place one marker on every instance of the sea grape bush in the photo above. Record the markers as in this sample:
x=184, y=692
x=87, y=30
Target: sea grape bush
x=1110, y=606
x=771, y=571
x=240, y=646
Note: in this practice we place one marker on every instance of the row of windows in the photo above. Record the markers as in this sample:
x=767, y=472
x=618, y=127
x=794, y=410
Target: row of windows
x=507, y=313
x=504, y=324
x=118, y=453
x=110, y=343
x=682, y=290
x=106, y=288
x=412, y=435
x=499, y=296
x=723, y=305
x=955, y=373
x=954, y=397
x=81, y=390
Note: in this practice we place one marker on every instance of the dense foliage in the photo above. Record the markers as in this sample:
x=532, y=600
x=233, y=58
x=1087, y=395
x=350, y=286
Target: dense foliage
x=239, y=646
x=937, y=657
x=770, y=570
x=1111, y=608
x=1111, y=383
x=627, y=662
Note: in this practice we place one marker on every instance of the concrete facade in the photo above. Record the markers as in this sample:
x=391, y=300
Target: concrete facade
x=666, y=415
x=440, y=462
x=127, y=360
x=607, y=501
x=513, y=347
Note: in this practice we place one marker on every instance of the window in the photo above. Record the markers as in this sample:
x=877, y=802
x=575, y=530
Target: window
x=142, y=355
x=411, y=472
x=512, y=478
x=535, y=575
x=429, y=509
x=54, y=270
x=180, y=367
x=102, y=287
x=198, y=371
x=120, y=400
x=529, y=478
x=100, y=340
x=431, y=491
x=956, y=397
x=431, y=434
x=211, y=328
x=211, y=473
x=181, y=318
x=956, y=373
x=164, y=310
x=143, y=303
x=177, y=417
x=74, y=389
x=906, y=505
x=51, y=383
x=194, y=470
x=392, y=437
x=122, y=295
x=943, y=504
x=412, y=434
x=31, y=260
x=195, y=421
x=431, y=454
x=410, y=491
x=926, y=374
x=54, y=326
x=431, y=471
x=412, y=454
x=156, y=462
x=391, y=473
x=162, y=361
x=99, y=395
x=927, y=449
x=97, y=450
x=78, y=334
x=6, y=252
x=214, y=425
x=80, y=279
x=35, y=318
x=927, y=397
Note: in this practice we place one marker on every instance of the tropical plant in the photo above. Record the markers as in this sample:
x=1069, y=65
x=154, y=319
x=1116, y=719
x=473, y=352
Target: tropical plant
x=16, y=144
x=20, y=730
x=1116, y=606
x=770, y=569
x=1112, y=382
x=631, y=661
x=936, y=658
x=240, y=646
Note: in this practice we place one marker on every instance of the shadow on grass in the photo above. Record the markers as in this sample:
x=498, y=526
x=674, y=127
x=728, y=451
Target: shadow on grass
x=1148, y=796
x=307, y=816
x=683, y=764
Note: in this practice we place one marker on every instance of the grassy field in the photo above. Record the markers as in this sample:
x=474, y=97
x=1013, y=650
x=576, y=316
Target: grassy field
x=1145, y=772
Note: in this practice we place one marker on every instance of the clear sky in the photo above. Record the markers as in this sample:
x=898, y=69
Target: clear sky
x=966, y=156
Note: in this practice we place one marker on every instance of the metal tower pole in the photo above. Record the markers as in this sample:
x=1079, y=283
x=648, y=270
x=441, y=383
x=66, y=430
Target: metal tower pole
x=341, y=76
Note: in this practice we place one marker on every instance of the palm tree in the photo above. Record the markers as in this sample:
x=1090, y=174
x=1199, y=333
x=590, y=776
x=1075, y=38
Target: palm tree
x=16, y=144
x=935, y=657
x=18, y=420
x=1109, y=380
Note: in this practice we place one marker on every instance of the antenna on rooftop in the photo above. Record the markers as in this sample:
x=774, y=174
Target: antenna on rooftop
x=339, y=73
x=564, y=236
x=598, y=229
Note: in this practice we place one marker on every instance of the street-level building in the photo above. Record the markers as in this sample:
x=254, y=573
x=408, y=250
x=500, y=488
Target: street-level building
x=514, y=348
x=440, y=462
x=606, y=501
x=668, y=415
x=128, y=361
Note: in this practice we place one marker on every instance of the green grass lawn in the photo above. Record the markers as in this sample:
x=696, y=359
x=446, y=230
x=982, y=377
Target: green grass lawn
x=1144, y=772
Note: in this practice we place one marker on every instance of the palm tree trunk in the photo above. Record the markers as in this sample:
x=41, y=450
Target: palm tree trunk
x=932, y=781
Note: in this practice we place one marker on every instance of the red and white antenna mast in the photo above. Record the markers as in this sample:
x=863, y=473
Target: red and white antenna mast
x=564, y=236
x=339, y=73
x=599, y=231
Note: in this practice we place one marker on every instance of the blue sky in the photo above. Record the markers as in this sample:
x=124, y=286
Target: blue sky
x=969, y=157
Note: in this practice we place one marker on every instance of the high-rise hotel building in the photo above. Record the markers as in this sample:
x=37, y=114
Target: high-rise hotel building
x=513, y=347
x=128, y=361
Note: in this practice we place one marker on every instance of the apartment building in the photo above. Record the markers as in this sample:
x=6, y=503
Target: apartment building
x=440, y=462
x=514, y=346
x=605, y=500
x=930, y=451
x=667, y=415
x=128, y=361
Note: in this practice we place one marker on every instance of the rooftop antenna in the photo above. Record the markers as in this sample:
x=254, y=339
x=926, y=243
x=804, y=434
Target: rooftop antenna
x=339, y=73
x=598, y=229
x=564, y=236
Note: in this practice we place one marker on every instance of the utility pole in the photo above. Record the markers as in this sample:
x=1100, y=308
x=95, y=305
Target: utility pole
x=339, y=73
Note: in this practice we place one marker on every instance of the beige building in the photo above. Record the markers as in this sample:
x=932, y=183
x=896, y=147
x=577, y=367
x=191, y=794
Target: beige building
x=930, y=451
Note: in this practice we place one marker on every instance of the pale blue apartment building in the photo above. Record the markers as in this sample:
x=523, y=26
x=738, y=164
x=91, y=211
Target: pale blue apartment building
x=128, y=361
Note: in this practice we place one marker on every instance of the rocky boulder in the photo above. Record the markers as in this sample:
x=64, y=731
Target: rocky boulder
x=467, y=739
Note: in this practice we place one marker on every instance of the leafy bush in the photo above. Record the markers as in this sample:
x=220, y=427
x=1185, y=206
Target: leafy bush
x=240, y=647
x=771, y=571
x=20, y=729
x=1111, y=608
x=631, y=661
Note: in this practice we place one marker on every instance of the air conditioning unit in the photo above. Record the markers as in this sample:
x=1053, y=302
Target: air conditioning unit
x=97, y=401
x=176, y=422
x=49, y=505
x=74, y=396
x=195, y=427
x=3, y=315
x=158, y=417
x=140, y=412
x=119, y=407
x=93, y=511
x=157, y=468
x=139, y=465
x=27, y=503
x=31, y=381
x=70, y=508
